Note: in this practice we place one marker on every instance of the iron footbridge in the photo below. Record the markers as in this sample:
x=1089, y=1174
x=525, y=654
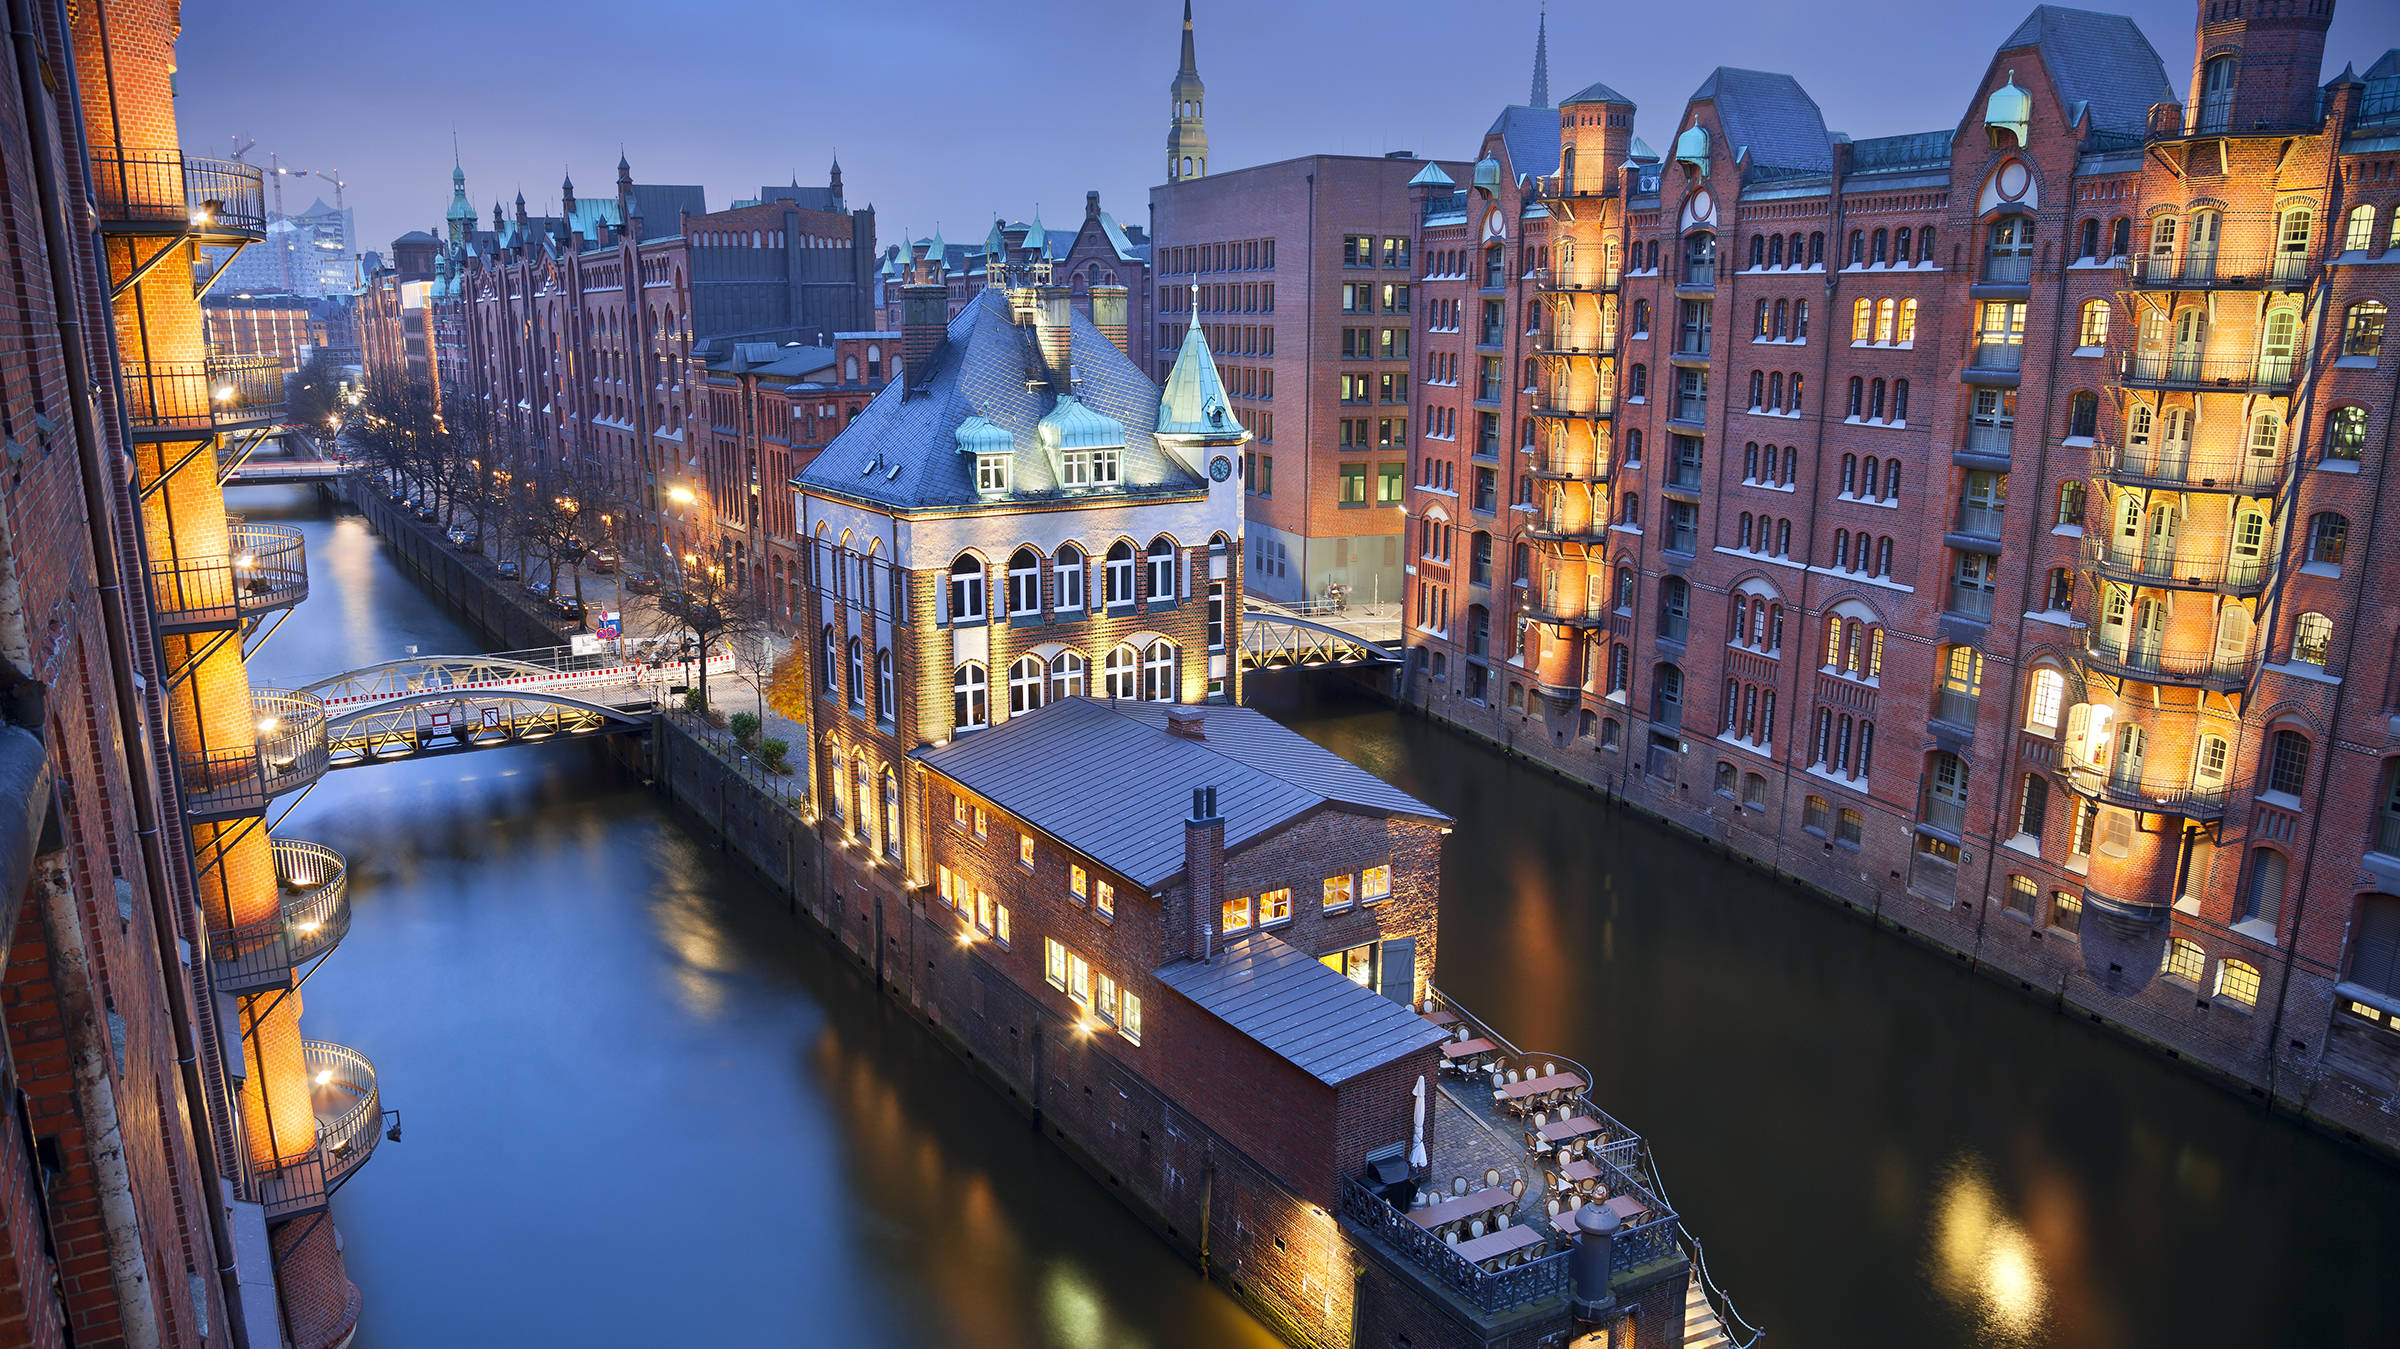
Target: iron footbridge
x=1275, y=639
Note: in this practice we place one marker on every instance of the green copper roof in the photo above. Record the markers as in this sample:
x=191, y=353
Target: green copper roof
x=1073, y=426
x=1193, y=403
x=977, y=436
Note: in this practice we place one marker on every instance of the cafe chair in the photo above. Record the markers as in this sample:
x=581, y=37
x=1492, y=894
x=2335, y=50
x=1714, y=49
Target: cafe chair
x=1491, y=1177
x=1450, y=1235
x=1516, y=1188
x=1500, y=1224
x=1474, y=1229
x=1458, y=1186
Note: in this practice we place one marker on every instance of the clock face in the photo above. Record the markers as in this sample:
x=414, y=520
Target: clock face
x=1220, y=468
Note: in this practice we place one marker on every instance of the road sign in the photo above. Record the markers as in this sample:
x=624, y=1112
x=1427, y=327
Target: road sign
x=610, y=628
x=491, y=718
x=586, y=644
x=441, y=721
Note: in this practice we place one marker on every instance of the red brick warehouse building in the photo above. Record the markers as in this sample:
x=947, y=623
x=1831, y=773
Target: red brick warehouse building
x=2119, y=727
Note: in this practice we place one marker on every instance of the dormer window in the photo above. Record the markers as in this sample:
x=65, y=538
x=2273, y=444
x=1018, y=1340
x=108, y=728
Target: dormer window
x=991, y=473
x=1076, y=468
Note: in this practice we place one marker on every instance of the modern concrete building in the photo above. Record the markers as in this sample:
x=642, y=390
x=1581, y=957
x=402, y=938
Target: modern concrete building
x=2116, y=727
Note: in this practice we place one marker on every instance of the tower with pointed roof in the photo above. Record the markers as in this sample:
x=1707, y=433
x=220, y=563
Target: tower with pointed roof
x=1541, y=61
x=1187, y=134
x=461, y=219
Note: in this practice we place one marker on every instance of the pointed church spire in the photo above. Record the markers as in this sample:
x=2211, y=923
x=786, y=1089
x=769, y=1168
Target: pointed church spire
x=1187, y=132
x=1541, y=61
x=1191, y=65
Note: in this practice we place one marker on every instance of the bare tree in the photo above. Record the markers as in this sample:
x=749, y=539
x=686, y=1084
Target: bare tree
x=715, y=611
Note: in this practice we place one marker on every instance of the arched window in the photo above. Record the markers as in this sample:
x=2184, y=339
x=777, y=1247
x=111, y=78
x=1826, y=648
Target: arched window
x=2312, y=639
x=837, y=794
x=2216, y=93
x=966, y=589
x=2362, y=329
x=2346, y=435
x=891, y=814
x=1858, y=247
x=1067, y=673
x=1066, y=578
x=970, y=697
x=829, y=665
x=2358, y=233
x=1118, y=574
x=2287, y=762
x=2083, y=414
x=1758, y=250
x=2042, y=704
x=1758, y=390
x=1900, y=244
x=858, y=673
x=1887, y=317
x=2328, y=538
x=1028, y=681
x=1161, y=566
x=1121, y=672
x=887, y=707
x=2092, y=332
x=1024, y=583
x=1158, y=673
x=2089, y=248
x=1862, y=320
x=1858, y=396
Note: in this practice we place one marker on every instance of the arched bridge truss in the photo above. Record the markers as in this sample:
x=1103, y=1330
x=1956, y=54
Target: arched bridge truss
x=1278, y=641
x=454, y=721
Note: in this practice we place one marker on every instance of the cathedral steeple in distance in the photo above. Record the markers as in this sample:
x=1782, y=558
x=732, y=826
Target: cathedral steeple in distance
x=1541, y=61
x=1187, y=134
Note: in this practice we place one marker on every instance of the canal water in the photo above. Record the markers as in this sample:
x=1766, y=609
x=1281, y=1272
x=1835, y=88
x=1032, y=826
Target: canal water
x=644, y=1107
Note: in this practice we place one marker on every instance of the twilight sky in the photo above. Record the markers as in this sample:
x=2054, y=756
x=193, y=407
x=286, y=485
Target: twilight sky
x=942, y=115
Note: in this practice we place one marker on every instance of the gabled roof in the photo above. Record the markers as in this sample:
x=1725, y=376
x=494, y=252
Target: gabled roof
x=1531, y=135
x=1299, y=1009
x=2099, y=59
x=1771, y=116
x=989, y=366
x=1130, y=789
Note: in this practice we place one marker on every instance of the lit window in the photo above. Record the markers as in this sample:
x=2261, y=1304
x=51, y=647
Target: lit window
x=2066, y=910
x=1107, y=1006
x=1129, y=1017
x=2237, y=982
x=1079, y=978
x=1234, y=915
x=943, y=881
x=1000, y=923
x=1338, y=892
x=1054, y=963
x=1375, y=883
x=1356, y=964
x=1077, y=881
x=1274, y=906
x=2049, y=690
x=1104, y=900
x=983, y=823
x=958, y=810
x=1024, y=849
x=2185, y=960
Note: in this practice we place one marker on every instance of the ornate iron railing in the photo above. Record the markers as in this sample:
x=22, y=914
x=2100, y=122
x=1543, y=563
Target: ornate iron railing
x=222, y=393
x=265, y=568
x=2169, y=795
x=2136, y=565
x=2195, y=666
x=2173, y=466
x=288, y=753
x=1577, y=280
x=168, y=192
x=314, y=915
x=2215, y=269
x=1485, y=1290
x=2170, y=371
x=1575, y=405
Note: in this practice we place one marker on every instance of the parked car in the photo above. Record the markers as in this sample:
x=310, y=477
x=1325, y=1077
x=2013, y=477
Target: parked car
x=540, y=590
x=641, y=585
x=508, y=569
x=465, y=540
x=568, y=607
x=601, y=563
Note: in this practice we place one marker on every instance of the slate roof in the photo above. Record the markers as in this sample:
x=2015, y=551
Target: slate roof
x=1771, y=115
x=1531, y=135
x=984, y=367
x=660, y=203
x=2099, y=59
x=1310, y=1016
x=806, y=198
x=1595, y=93
x=416, y=237
x=1107, y=780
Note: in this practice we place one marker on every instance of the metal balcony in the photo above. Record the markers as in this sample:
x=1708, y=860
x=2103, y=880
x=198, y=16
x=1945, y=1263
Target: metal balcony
x=2180, y=667
x=265, y=568
x=2215, y=269
x=2158, y=795
x=289, y=752
x=1557, y=344
x=2173, y=468
x=2209, y=374
x=1561, y=528
x=2007, y=269
x=1567, y=466
x=1589, y=405
x=219, y=202
x=1996, y=357
x=2137, y=566
x=349, y=1110
x=314, y=915
x=1592, y=613
x=1575, y=281
x=180, y=400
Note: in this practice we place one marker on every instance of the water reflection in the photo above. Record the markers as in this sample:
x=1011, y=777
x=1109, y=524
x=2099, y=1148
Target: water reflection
x=1879, y=1147
x=646, y=1107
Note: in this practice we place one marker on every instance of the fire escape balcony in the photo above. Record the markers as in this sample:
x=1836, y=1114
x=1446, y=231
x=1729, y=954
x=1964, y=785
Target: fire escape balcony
x=1588, y=406
x=2208, y=374
x=2135, y=565
x=1566, y=466
x=185, y=400
x=2180, y=667
x=349, y=1110
x=1564, y=344
x=290, y=752
x=314, y=916
x=1559, y=528
x=2173, y=467
x=2158, y=795
x=218, y=202
x=1575, y=281
x=2213, y=269
x=1592, y=613
x=265, y=569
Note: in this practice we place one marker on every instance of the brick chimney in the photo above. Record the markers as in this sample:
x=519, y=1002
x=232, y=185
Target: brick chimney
x=1108, y=315
x=1187, y=721
x=1204, y=869
x=1054, y=317
x=924, y=321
